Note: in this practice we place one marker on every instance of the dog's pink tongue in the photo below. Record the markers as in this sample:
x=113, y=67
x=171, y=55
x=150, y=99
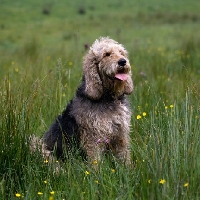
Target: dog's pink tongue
x=121, y=77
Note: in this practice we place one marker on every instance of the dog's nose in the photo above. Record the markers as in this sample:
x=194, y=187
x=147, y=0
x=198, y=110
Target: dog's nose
x=122, y=62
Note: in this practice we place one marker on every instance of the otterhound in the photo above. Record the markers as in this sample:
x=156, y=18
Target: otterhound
x=98, y=118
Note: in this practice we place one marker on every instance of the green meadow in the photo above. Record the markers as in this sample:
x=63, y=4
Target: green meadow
x=42, y=44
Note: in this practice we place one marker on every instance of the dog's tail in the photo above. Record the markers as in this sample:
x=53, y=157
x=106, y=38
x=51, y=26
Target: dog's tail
x=36, y=144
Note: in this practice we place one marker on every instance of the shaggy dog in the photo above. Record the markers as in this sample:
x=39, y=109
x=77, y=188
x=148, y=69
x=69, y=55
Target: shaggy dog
x=98, y=118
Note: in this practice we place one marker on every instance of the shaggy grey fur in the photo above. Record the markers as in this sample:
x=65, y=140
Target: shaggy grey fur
x=98, y=118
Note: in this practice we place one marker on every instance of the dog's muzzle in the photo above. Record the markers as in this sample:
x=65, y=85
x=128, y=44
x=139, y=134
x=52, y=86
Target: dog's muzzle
x=122, y=62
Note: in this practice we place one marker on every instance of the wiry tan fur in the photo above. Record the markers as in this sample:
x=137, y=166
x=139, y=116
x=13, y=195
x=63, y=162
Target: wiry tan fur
x=100, y=109
x=107, y=67
x=109, y=129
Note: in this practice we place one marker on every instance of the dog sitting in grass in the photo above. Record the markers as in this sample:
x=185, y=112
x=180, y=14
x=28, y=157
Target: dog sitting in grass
x=98, y=118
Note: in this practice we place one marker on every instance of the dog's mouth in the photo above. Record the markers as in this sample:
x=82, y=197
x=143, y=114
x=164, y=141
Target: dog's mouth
x=122, y=73
x=121, y=76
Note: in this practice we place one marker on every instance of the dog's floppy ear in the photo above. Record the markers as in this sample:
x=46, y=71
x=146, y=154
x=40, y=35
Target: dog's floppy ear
x=93, y=83
x=128, y=87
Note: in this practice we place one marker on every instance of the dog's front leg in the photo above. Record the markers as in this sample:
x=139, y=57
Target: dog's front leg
x=120, y=148
x=93, y=153
x=123, y=154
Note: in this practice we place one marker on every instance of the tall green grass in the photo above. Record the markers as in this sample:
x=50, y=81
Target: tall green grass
x=39, y=75
x=165, y=133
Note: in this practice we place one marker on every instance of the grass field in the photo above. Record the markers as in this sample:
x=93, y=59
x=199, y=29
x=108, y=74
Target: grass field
x=42, y=44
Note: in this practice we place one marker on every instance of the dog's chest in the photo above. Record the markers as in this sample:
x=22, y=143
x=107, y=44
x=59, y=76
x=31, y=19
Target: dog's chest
x=107, y=118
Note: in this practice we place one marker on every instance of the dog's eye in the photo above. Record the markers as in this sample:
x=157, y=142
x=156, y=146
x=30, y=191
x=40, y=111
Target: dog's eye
x=107, y=54
x=122, y=53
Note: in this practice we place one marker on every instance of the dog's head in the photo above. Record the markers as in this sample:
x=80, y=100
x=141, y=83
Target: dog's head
x=107, y=69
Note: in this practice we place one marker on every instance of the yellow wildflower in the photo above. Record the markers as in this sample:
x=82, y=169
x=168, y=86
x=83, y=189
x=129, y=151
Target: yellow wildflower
x=186, y=184
x=40, y=193
x=162, y=181
x=171, y=106
x=70, y=63
x=18, y=195
x=144, y=114
x=95, y=162
x=139, y=117
x=86, y=172
x=46, y=161
x=45, y=182
x=113, y=170
x=52, y=192
x=96, y=181
x=149, y=181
